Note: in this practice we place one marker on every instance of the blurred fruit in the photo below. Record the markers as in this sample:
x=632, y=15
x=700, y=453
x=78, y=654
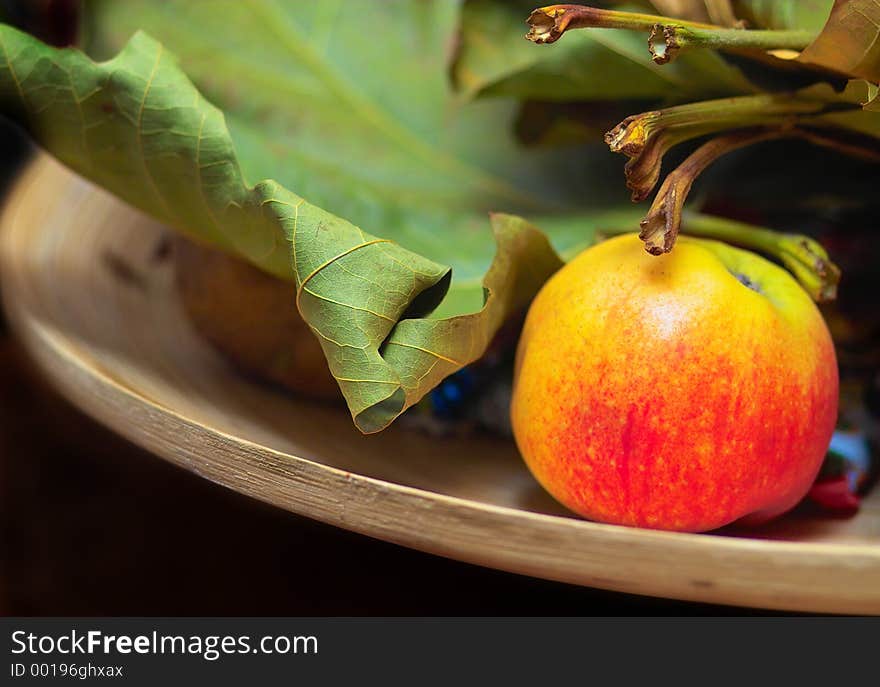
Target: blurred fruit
x=251, y=318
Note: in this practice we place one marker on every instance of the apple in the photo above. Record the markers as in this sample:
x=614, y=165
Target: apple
x=680, y=392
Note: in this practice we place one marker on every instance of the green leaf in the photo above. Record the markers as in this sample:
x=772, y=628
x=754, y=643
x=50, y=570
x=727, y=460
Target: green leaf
x=137, y=126
x=872, y=102
x=367, y=129
x=494, y=59
x=318, y=114
x=784, y=14
x=850, y=41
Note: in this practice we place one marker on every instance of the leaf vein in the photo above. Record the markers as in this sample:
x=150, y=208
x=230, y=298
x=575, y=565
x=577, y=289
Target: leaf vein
x=347, y=305
x=336, y=257
x=140, y=139
x=392, y=342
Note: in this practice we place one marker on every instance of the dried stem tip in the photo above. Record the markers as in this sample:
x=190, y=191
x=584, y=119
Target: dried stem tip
x=663, y=43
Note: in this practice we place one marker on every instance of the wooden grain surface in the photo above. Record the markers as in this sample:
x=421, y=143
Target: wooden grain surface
x=88, y=286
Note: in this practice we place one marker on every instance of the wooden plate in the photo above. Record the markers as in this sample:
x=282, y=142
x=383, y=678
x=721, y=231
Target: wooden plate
x=87, y=283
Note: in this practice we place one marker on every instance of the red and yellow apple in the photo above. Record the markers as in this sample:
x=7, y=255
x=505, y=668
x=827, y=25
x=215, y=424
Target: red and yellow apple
x=679, y=392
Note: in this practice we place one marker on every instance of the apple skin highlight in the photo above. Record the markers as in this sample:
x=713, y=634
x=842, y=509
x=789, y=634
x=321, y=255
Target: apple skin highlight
x=663, y=392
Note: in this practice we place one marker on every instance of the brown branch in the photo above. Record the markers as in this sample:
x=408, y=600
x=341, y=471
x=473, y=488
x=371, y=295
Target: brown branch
x=666, y=35
x=647, y=137
x=660, y=226
x=843, y=141
x=547, y=24
x=643, y=170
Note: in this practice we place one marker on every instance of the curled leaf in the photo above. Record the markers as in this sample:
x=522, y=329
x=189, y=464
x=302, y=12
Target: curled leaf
x=137, y=126
x=382, y=374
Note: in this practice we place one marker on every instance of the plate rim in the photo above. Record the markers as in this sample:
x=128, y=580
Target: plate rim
x=709, y=540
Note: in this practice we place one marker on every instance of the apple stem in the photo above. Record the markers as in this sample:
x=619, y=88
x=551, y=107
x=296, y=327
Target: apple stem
x=804, y=257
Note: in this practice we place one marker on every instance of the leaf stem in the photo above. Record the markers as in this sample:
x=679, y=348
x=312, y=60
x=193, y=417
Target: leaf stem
x=633, y=133
x=642, y=171
x=804, y=257
x=547, y=24
x=660, y=226
x=668, y=38
x=645, y=138
x=851, y=143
